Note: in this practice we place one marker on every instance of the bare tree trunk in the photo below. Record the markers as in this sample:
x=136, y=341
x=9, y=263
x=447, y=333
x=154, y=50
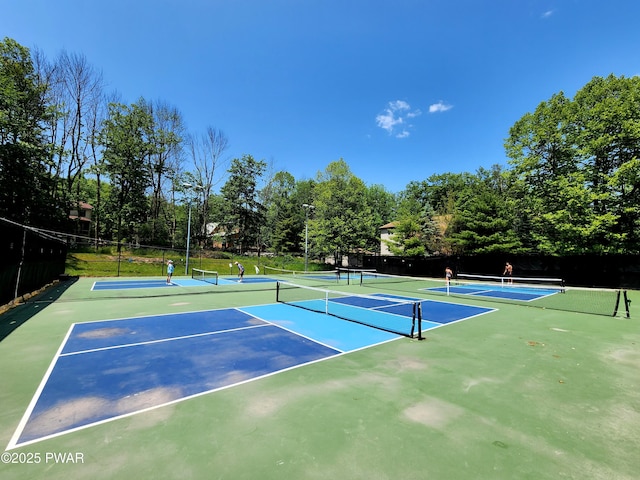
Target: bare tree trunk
x=207, y=152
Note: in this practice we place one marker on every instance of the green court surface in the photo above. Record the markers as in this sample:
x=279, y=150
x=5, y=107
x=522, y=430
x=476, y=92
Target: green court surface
x=518, y=393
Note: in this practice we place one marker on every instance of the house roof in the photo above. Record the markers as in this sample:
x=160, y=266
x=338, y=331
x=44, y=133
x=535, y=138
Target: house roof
x=390, y=225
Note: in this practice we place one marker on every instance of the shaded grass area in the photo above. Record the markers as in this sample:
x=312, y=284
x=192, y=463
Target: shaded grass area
x=519, y=393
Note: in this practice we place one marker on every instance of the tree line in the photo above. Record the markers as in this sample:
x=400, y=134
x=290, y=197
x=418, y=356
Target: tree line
x=571, y=185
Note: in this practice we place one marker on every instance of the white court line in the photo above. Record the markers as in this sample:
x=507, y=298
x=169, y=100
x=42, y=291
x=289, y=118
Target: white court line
x=169, y=339
x=13, y=442
x=23, y=422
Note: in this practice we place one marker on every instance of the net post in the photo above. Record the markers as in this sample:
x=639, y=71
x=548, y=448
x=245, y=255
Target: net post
x=627, y=303
x=413, y=319
x=322, y=301
x=417, y=320
x=615, y=308
x=326, y=303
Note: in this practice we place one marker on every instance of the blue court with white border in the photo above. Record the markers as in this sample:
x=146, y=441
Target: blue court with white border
x=509, y=292
x=110, y=369
x=179, y=282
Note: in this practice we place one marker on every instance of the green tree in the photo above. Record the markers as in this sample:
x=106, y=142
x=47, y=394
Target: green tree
x=441, y=191
x=607, y=116
x=127, y=139
x=27, y=190
x=343, y=221
x=541, y=152
x=244, y=214
x=416, y=231
x=626, y=181
x=383, y=204
x=574, y=163
x=282, y=225
x=484, y=219
x=407, y=240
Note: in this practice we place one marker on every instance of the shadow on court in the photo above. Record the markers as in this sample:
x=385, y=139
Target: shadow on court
x=18, y=315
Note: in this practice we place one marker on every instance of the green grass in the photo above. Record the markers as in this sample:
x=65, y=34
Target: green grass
x=148, y=263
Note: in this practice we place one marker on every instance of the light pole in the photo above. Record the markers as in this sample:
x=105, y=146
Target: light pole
x=186, y=263
x=306, y=207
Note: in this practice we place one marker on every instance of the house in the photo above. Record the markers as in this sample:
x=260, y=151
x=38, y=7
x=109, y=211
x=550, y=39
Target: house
x=81, y=217
x=386, y=232
x=220, y=239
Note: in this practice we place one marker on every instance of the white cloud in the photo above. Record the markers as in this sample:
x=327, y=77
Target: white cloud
x=397, y=113
x=388, y=120
x=399, y=105
x=439, y=107
x=548, y=13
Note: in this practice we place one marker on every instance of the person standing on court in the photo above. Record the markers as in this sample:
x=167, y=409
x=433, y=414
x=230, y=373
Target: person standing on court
x=170, y=269
x=448, y=274
x=508, y=272
x=240, y=271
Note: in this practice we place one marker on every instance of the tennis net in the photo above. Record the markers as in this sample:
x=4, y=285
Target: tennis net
x=395, y=314
x=208, y=276
x=534, y=282
x=549, y=293
x=353, y=275
x=320, y=276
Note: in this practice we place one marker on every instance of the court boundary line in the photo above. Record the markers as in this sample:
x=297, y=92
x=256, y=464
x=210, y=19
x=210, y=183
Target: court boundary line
x=375, y=309
x=27, y=415
x=34, y=400
x=482, y=294
x=513, y=299
x=36, y=396
x=488, y=310
x=158, y=284
x=162, y=340
x=268, y=322
x=430, y=299
x=342, y=352
x=163, y=314
x=425, y=300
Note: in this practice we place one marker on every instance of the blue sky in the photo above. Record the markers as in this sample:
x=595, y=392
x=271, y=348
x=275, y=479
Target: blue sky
x=399, y=89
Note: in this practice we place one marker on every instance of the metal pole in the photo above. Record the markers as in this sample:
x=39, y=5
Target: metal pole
x=306, y=243
x=306, y=207
x=186, y=264
x=24, y=243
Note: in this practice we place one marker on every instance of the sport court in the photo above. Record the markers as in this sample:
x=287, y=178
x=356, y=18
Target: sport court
x=115, y=368
x=523, y=294
x=507, y=394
